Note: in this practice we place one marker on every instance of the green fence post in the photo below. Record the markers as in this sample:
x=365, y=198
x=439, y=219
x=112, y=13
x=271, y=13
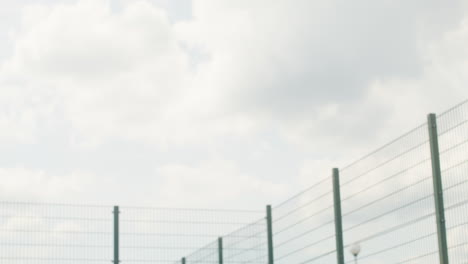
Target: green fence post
x=338, y=220
x=220, y=250
x=269, y=218
x=183, y=260
x=438, y=189
x=116, y=213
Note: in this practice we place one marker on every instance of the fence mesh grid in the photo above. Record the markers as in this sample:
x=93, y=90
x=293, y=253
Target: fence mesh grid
x=303, y=226
x=387, y=202
x=54, y=233
x=163, y=235
x=453, y=144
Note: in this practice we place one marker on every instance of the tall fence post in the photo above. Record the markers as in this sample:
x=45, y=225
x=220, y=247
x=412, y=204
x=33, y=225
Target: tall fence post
x=338, y=220
x=183, y=260
x=269, y=218
x=116, y=235
x=438, y=189
x=220, y=250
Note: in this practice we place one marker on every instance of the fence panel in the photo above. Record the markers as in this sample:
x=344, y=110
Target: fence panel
x=166, y=235
x=388, y=203
x=303, y=226
x=453, y=144
x=55, y=233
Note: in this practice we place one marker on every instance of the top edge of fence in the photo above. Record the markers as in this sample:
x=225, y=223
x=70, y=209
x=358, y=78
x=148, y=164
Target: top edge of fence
x=205, y=247
x=54, y=204
x=245, y=226
x=190, y=209
x=321, y=181
x=383, y=146
x=453, y=108
x=26, y=203
x=226, y=235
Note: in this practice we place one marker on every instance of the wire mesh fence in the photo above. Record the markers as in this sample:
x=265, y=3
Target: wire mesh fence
x=453, y=142
x=304, y=226
x=54, y=233
x=165, y=235
x=388, y=204
x=385, y=201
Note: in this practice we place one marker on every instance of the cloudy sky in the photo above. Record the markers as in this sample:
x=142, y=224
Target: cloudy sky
x=213, y=103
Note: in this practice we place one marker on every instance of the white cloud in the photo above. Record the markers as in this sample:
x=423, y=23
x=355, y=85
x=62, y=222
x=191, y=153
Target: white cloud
x=215, y=183
x=23, y=183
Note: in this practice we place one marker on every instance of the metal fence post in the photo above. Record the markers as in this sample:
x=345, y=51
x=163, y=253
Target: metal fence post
x=116, y=234
x=269, y=218
x=183, y=260
x=438, y=189
x=220, y=250
x=338, y=220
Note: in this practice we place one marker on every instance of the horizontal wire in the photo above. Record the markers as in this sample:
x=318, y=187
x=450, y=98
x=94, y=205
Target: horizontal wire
x=410, y=241
x=253, y=248
x=53, y=259
x=53, y=245
x=172, y=261
x=276, y=219
x=319, y=256
x=394, y=228
x=128, y=207
x=255, y=259
x=384, y=163
x=182, y=248
x=255, y=235
x=418, y=257
x=305, y=233
x=208, y=246
x=54, y=204
x=389, y=212
x=392, y=176
x=304, y=247
x=54, y=232
x=182, y=222
x=254, y=224
x=202, y=258
x=455, y=107
x=190, y=209
x=452, y=147
x=452, y=128
x=303, y=219
x=164, y=248
x=383, y=147
x=302, y=192
x=422, y=198
x=456, y=205
x=396, y=246
x=57, y=218
x=167, y=235
x=455, y=166
x=386, y=196
x=158, y=260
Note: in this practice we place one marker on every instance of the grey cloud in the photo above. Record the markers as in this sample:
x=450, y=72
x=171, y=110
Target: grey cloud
x=295, y=56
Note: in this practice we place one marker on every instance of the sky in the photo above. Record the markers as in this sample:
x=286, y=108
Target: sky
x=213, y=103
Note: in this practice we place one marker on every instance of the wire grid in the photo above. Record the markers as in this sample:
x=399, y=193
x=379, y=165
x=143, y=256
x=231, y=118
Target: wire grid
x=388, y=204
x=54, y=233
x=208, y=254
x=453, y=145
x=247, y=244
x=165, y=235
x=303, y=226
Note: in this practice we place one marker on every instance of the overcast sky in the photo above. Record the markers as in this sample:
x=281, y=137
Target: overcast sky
x=213, y=103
